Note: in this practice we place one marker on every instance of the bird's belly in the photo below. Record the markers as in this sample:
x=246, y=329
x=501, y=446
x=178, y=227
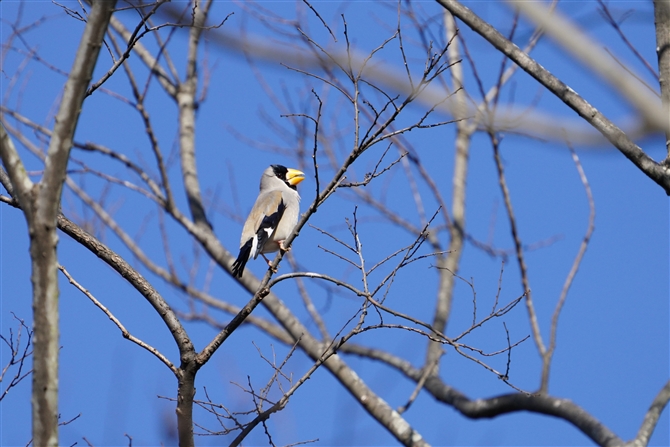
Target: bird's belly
x=284, y=230
x=271, y=246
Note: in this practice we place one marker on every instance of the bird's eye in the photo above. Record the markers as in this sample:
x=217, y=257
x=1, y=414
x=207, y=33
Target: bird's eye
x=280, y=172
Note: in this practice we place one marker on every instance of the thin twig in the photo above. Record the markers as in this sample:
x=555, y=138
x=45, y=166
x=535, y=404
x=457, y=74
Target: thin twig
x=118, y=323
x=546, y=360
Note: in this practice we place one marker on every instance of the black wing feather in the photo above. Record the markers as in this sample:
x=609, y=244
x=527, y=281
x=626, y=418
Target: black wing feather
x=268, y=226
x=265, y=230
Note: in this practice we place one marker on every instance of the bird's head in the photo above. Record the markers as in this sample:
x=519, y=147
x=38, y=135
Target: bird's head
x=289, y=176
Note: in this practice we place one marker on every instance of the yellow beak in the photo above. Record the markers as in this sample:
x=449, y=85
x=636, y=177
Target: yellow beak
x=293, y=176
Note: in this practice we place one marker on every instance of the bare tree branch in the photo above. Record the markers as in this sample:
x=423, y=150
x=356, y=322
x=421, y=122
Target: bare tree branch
x=18, y=356
x=525, y=282
x=344, y=103
x=41, y=205
x=566, y=34
x=662, y=23
x=590, y=114
x=652, y=417
x=449, y=266
x=126, y=334
x=505, y=118
x=186, y=100
x=546, y=359
x=508, y=403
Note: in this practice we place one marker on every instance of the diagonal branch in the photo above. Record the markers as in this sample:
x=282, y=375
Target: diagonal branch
x=578, y=44
x=616, y=136
x=116, y=321
x=135, y=279
x=70, y=107
x=21, y=185
x=662, y=22
x=652, y=416
x=523, y=268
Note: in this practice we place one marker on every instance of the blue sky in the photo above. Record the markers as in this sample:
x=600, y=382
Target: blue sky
x=612, y=355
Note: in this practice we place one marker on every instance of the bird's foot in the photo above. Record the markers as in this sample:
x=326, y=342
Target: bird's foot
x=282, y=248
x=274, y=269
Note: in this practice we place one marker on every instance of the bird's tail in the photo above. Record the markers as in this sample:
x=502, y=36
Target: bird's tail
x=242, y=258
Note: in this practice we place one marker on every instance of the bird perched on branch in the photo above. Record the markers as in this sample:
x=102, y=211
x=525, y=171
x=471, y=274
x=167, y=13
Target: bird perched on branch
x=273, y=217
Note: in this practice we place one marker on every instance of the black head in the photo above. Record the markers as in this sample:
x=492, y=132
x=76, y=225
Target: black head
x=280, y=171
x=290, y=177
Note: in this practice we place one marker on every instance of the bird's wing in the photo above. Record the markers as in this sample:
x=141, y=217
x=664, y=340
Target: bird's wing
x=263, y=220
x=268, y=227
x=259, y=227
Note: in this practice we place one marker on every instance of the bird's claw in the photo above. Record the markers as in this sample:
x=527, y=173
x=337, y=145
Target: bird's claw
x=274, y=269
x=282, y=248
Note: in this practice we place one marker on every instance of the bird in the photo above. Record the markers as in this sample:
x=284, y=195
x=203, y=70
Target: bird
x=273, y=216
